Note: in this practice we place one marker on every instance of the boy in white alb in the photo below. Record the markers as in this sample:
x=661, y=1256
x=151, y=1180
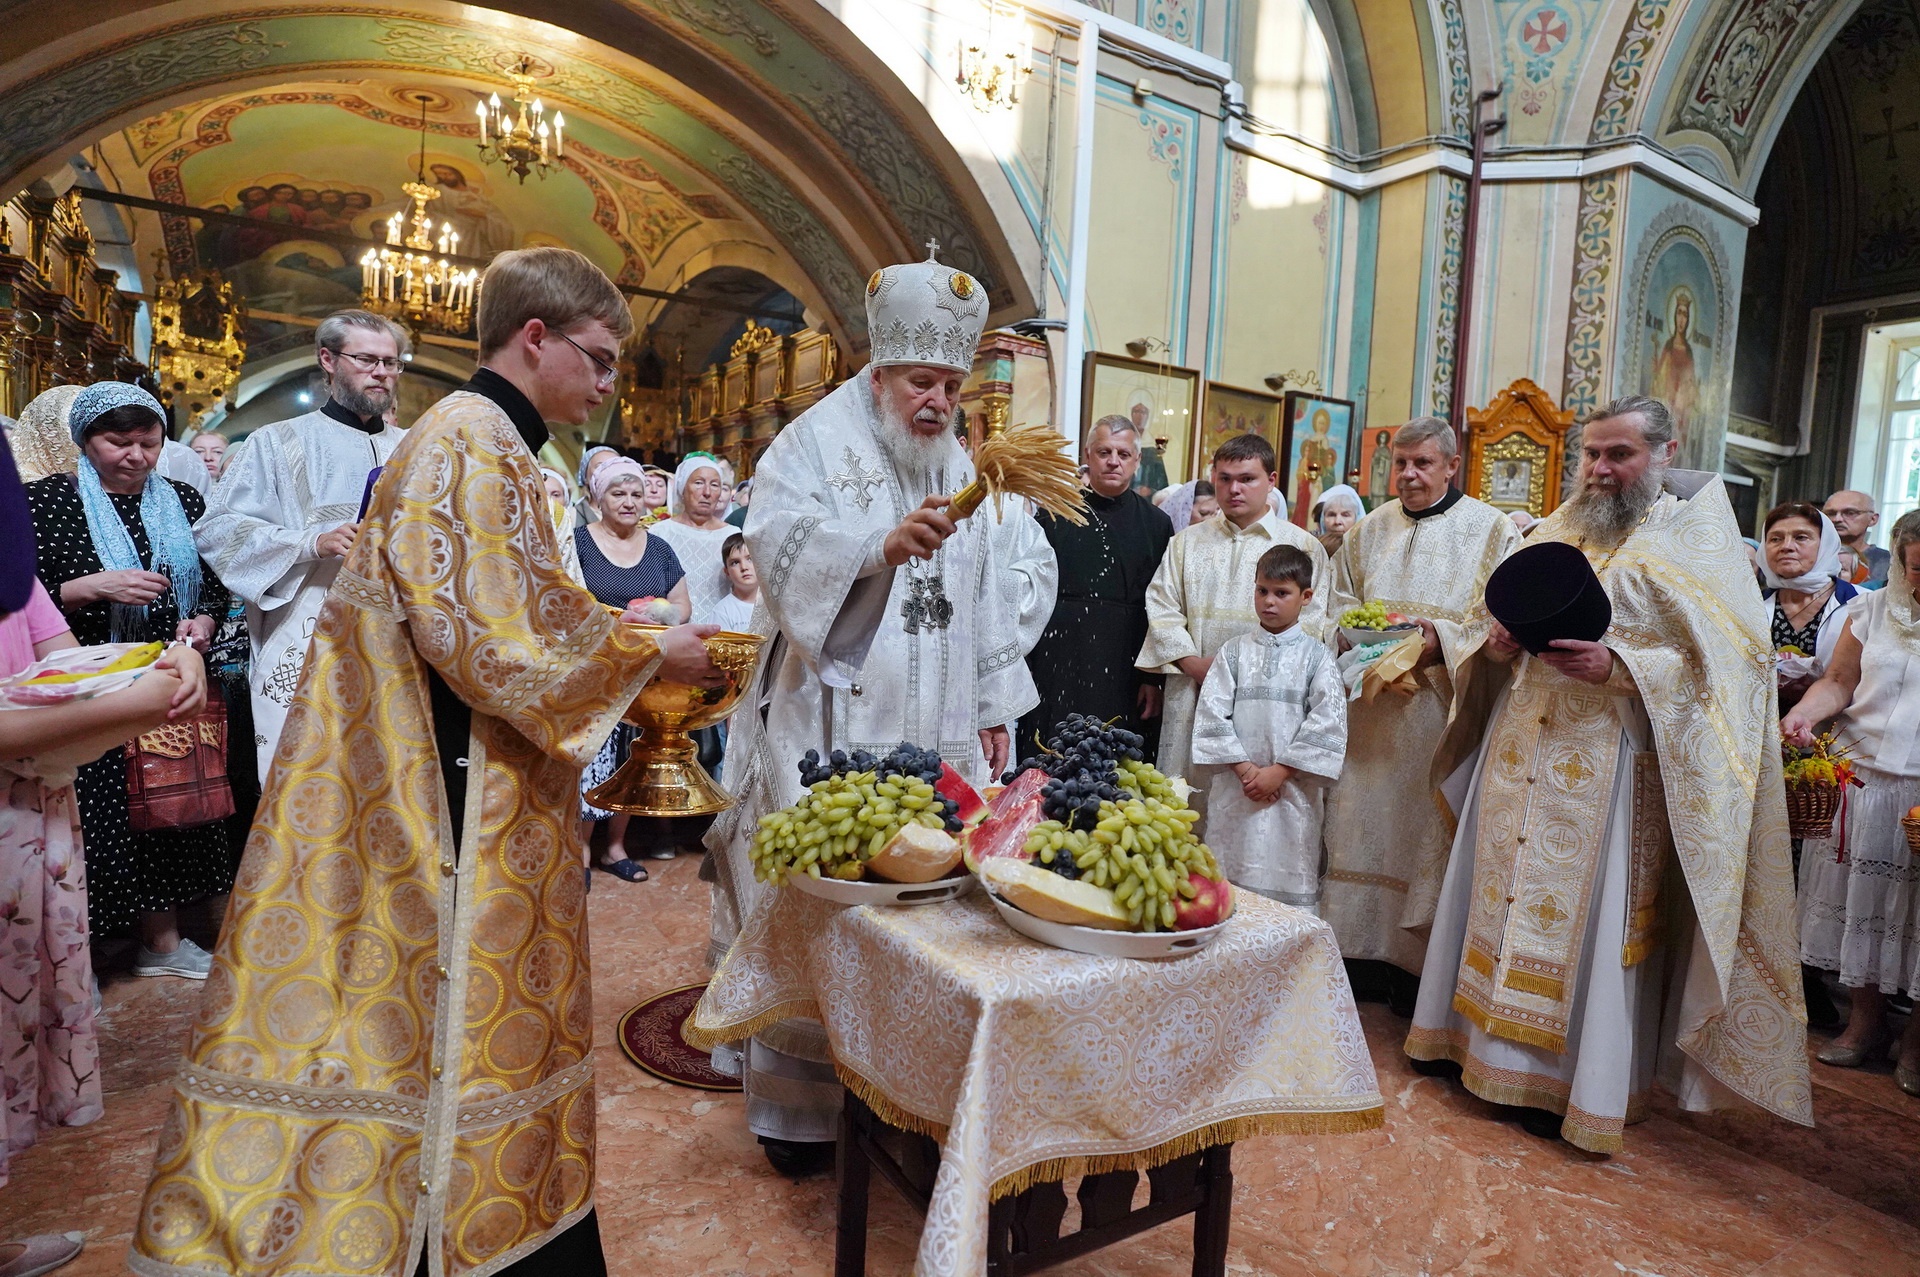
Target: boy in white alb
x=1273, y=714
x=735, y=612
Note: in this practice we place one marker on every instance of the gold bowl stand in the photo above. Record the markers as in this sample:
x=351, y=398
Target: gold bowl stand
x=662, y=775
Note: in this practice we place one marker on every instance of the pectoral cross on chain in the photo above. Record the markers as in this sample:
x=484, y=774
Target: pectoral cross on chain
x=926, y=605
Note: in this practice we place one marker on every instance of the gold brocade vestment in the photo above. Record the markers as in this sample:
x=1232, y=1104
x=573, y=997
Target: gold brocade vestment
x=1386, y=840
x=393, y=1049
x=1690, y=639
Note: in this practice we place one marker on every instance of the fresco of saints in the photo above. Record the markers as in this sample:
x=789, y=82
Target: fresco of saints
x=483, y=229
x=1318, y=461
x=1675, y=378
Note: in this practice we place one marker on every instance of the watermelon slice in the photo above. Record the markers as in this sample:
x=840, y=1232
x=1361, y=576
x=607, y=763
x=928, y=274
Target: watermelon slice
x=952, y=785
x=1010, y=818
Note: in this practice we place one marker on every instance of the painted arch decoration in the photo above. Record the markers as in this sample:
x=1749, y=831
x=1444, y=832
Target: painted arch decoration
x=886, y=181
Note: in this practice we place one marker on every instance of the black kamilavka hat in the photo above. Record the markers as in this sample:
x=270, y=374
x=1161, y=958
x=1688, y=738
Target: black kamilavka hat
x=1547, y=591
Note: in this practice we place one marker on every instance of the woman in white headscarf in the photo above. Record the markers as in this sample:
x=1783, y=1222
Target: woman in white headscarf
x=697, y=529
x=590, y=460
x=1338, y=509
x=42, y=444
x=1801, y=581
x=565, y=519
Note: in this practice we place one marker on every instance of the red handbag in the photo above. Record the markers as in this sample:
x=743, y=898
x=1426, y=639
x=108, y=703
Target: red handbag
x=177, y=773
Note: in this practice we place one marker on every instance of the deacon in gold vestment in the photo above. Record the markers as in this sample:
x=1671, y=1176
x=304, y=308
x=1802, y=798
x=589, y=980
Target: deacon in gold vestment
x=1427, y=554
x=390, y=1072
x=1619, y=901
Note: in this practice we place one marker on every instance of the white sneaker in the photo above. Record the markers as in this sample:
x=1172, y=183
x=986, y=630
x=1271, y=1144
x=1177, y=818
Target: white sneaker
x=188, y=961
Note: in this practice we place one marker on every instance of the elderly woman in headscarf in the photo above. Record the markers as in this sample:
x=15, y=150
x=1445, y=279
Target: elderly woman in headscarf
x=114, y=546
x=42, y=444
x=1801, y=581
x=590, y=461
x=1338, y=509
x=697, y=528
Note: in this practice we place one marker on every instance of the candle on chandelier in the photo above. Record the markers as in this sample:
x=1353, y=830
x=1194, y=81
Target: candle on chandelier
x=393, y=229
x=543, y=141
x=559, y=139
x=446, y=229
x=480, y=109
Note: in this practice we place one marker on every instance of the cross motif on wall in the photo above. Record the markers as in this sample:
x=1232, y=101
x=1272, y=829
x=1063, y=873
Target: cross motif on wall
x=1891, y=132
x=1544, y=31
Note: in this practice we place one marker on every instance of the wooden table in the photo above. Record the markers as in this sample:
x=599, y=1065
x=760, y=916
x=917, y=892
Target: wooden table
x=1024, y=1228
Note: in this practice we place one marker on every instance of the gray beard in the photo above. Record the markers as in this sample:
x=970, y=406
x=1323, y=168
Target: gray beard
x=914, y=455
x=1609, y=514
x=360, y=404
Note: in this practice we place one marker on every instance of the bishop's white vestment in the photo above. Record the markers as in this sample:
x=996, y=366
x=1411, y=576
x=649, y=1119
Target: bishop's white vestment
x=843, y=671
x=293, y=481
x=1386, y=839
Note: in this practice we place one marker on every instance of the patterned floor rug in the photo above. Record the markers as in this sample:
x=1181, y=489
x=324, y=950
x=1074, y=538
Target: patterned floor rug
x=650, y=1035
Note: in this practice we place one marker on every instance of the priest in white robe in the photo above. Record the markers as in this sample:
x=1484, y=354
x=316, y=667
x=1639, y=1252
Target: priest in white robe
x=1202, y=593
x=1619, y=901
x=283, y=516
x=890, y=622
x=1427, y=554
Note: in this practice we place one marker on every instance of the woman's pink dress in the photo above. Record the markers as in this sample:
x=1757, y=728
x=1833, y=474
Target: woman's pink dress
x=49, y=1051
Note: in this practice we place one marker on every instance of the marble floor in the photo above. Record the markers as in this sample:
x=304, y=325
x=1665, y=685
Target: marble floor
x=1446, y=1187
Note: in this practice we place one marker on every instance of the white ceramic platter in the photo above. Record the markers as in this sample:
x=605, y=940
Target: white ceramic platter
x=1364, y=638
x=1150, y=946
x=951, y=887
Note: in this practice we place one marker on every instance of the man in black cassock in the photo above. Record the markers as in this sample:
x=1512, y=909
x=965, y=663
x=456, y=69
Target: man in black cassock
x=1084, y=662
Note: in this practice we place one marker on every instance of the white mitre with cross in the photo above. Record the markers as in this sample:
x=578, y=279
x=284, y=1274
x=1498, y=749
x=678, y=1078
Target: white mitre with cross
x=925, y=313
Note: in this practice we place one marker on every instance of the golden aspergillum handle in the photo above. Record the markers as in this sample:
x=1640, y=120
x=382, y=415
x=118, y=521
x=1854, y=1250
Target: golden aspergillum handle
x=662, y=775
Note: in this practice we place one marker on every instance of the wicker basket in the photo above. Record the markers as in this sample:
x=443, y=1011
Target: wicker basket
x=1912, y=827
x=1811, y=809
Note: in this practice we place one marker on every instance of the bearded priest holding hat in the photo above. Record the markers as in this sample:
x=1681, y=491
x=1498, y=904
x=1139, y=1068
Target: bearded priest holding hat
x=890, y=622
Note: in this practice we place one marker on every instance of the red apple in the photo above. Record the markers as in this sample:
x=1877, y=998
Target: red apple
x=1212, y=902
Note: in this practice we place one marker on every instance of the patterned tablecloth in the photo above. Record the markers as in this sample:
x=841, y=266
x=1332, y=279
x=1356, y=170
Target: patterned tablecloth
x=1031, y=1063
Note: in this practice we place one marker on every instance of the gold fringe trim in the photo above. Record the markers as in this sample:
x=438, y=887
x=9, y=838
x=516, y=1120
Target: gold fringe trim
x=1230, y=1131
x=1479, y=962
x=707, y=1039
x=1530, y=982
x=1523, y=1033
x=1635, y=951
x=1583, y=1130
x=885, y=1109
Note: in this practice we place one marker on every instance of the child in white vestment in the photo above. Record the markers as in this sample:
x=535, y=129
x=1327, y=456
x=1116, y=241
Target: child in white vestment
x=1272, y=717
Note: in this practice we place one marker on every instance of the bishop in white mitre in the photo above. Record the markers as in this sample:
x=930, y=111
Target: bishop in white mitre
x=889, y=622
x=282, y=518
x=1202, y=593
x=1427, y=554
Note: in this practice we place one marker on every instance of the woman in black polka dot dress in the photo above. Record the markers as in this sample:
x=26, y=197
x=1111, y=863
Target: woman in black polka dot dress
x=135, y=881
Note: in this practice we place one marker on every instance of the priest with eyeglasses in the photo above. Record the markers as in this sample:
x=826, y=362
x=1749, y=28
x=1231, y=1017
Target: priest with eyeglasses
x=285, y=513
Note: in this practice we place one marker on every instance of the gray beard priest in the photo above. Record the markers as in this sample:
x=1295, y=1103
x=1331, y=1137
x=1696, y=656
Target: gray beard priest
x=889, y=622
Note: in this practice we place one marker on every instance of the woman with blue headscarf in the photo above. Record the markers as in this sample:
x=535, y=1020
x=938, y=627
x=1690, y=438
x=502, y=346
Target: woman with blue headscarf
x=114, y=546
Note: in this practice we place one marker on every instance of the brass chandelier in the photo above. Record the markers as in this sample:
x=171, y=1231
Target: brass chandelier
x=406, y=281
x=519, y=135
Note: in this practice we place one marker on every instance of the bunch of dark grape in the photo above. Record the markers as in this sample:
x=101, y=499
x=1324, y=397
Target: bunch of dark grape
x=1083, y=757
x=903, y=759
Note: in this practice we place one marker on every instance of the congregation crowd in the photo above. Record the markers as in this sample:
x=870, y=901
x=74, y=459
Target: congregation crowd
x=1205, y=615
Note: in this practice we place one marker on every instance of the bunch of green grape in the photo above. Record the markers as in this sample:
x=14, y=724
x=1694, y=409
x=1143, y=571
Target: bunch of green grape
x=1368, y=616
x=1142, y=849
x=842, y=823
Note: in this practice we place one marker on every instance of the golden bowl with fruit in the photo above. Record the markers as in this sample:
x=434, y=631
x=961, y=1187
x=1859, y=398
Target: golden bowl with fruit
x=662, y=776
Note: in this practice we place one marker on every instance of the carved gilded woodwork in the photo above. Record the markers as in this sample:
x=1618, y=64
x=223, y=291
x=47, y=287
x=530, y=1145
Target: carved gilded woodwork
x=62, y=318
x=1515, y=447
x=199, y=342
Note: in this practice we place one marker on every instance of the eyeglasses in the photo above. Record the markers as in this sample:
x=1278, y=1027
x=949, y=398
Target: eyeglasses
x=1848, y=514
x=607, y=371
x=367, y=363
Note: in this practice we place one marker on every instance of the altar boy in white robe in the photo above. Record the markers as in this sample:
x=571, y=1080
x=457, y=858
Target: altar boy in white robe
x=890, y=622
x=1272, y=722
x=283, y=516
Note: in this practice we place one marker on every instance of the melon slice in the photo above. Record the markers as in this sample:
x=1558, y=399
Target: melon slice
x=1045, y=894
x=916, y=854
x=954, y=786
